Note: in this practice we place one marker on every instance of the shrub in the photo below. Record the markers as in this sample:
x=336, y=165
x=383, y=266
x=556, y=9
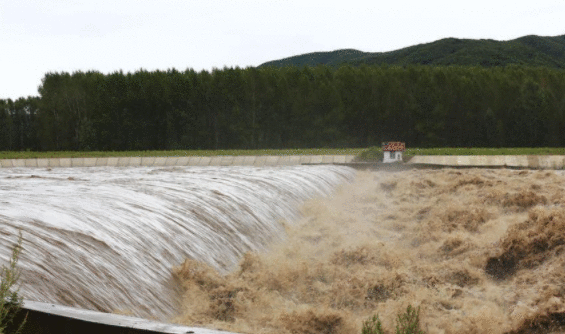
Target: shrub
x=10, y=301
x=406, y=323
x=409, y=322
x=371, y=154
x=372, y=326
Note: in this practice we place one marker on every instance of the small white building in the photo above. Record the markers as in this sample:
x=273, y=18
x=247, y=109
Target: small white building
x=392, y=151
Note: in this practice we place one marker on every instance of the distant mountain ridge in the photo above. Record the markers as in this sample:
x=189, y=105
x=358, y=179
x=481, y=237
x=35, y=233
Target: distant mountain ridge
x=528, y=50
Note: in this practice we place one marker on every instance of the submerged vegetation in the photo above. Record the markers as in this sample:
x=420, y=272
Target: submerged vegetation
x=10, y=301
x=406, y=323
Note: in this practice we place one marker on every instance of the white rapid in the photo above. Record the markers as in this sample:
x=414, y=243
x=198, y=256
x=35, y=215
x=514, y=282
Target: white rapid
x=107, y=238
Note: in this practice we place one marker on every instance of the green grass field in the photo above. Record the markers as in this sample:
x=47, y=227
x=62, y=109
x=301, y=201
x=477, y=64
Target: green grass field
x=178, y=153
x=487, y=151
x=369, y=154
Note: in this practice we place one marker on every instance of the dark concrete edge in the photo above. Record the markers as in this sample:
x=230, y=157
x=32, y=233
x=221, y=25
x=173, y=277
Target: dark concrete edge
x=53, y=318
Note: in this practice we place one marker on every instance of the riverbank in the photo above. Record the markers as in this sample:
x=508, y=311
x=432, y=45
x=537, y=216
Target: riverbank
x=226, y=160
x=418, y=161
x=491, y=161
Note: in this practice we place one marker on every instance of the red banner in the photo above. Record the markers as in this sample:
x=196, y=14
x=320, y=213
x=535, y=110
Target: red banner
x=394, y=146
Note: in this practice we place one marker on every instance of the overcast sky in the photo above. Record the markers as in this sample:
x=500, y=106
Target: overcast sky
x=39, y=36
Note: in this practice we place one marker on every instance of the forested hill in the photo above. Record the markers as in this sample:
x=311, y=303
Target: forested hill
x=527, y=50
x=332, y=58
x=483, y=105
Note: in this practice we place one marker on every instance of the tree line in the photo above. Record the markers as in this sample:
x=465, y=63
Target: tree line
x=291, y=107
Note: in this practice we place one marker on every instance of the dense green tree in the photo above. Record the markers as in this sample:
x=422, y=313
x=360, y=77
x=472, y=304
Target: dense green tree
x=5, y=125
x=289, y=107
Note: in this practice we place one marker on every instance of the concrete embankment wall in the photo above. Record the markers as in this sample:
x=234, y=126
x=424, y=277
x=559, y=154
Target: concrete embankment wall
x=259, y=161
x=495, y=161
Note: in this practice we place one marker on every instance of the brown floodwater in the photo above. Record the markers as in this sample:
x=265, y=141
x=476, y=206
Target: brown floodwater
x=106, y=239
x=477, y=250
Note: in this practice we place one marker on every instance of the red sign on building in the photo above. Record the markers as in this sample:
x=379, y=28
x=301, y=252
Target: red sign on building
x=394, y=146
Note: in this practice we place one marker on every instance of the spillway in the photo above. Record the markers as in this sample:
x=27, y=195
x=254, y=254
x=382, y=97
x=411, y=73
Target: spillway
x=106, y=238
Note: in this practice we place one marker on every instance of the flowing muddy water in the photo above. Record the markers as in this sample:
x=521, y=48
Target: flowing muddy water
x=478, y=250
x=108, y=238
